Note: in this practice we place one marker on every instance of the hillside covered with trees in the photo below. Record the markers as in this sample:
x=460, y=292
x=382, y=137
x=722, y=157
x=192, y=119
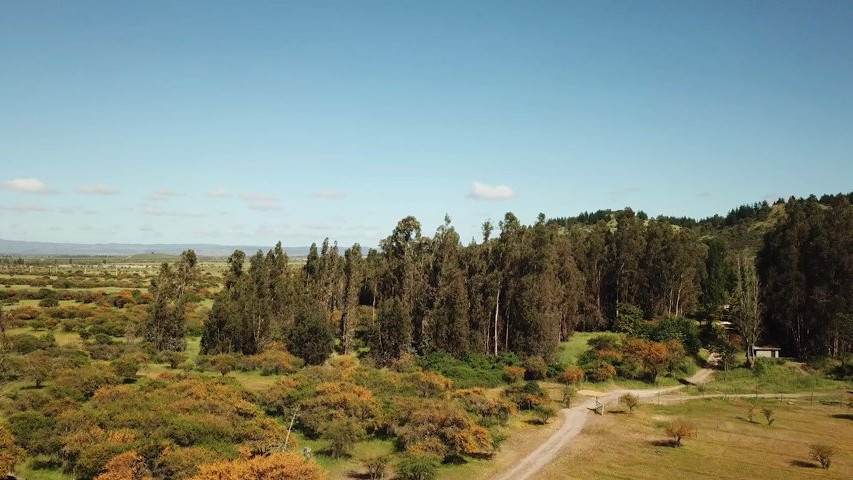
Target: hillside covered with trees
x=524, y=288
x=424, y=349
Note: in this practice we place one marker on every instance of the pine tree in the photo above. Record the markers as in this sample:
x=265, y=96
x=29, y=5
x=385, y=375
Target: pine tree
x=312, y=337
x=746, y=311
x=449, y=329
x=166, y=326
x=625, y=246
x=714, y=280
x=354, y=277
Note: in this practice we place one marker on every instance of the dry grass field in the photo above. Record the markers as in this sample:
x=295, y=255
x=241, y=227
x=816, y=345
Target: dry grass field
x=727, y=446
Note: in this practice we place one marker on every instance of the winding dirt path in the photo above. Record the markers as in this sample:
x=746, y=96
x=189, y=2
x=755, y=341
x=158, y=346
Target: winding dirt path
x=574, y=420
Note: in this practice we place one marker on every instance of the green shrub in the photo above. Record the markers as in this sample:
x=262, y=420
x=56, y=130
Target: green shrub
x=630, y=320
x=418, y=466
x=376, y=466
x=224, y=363
x=526, y=395
x=48, y=302
x=25, y=343
x=684, y=330
x=544, y=413
x=173, y=358
x=599, y=371
x=126, y=366
x=764, y=366
x=342, y=434
x=535, y=368
x=509, y=359
x=605, y=341
x=630, y=400
x=472, y=370
x=34, y=431
x=569, y=392
x=555, y=369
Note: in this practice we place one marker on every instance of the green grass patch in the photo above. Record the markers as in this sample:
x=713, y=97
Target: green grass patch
x=193, y=348
x=28, y=472
x=343, y=467
x=568, y=352
x=772, y=379
x=62, y=338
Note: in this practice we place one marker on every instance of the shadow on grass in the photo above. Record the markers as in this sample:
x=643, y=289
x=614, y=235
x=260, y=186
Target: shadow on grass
x=32, y=387
x=843, y=416
x=802, y=464
x=744, y=419
x=358, y=475
x=455, y=460
x=663, y=443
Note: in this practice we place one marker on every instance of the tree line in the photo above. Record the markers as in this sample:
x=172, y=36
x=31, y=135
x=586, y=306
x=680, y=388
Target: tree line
x=524, y=288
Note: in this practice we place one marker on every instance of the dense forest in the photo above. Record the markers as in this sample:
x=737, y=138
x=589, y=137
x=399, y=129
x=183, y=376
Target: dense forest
x=524, y=288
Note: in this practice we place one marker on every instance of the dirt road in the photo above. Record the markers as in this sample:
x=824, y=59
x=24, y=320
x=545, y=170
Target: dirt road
x=574, y=420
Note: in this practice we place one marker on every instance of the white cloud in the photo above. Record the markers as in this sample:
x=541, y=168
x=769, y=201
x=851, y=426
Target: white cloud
x=329, y=194
x=218, y=193
x=265, y=206
x=26, y=185
x=99, y=189
x=27, y=208
x=162, y=193
x=263, y=203
x=256, y=197
x=481, y=191
x=162, y=212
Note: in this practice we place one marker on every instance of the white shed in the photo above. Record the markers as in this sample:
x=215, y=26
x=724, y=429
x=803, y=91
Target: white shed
x=767, y=352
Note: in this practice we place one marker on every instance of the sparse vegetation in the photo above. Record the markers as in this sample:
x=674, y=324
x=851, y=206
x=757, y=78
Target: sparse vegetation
x=679, y=430
x=377, y=466
x=822, y=454
x=544, y=413
x=569, y=392
x=769, y=415
x=630, y=400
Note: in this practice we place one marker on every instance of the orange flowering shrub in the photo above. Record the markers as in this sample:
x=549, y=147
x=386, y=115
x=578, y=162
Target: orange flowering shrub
x=490, y=410
x=10, y=454
x=125, y=466
x=340, y=399
x=571, y=376
x=171, y=412
x=283, y=395
x=276, y=466
x=180, y=463
x=513, y=374
x=430, y=384
x=440, y=427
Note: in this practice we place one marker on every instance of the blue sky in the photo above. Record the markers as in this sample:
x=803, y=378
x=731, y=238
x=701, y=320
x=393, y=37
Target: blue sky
x=250, y=122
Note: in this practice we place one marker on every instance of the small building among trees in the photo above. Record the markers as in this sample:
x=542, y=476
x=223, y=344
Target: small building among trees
x=765, y=352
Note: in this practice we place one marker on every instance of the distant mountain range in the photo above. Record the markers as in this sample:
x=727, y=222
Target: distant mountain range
x=49, y=249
